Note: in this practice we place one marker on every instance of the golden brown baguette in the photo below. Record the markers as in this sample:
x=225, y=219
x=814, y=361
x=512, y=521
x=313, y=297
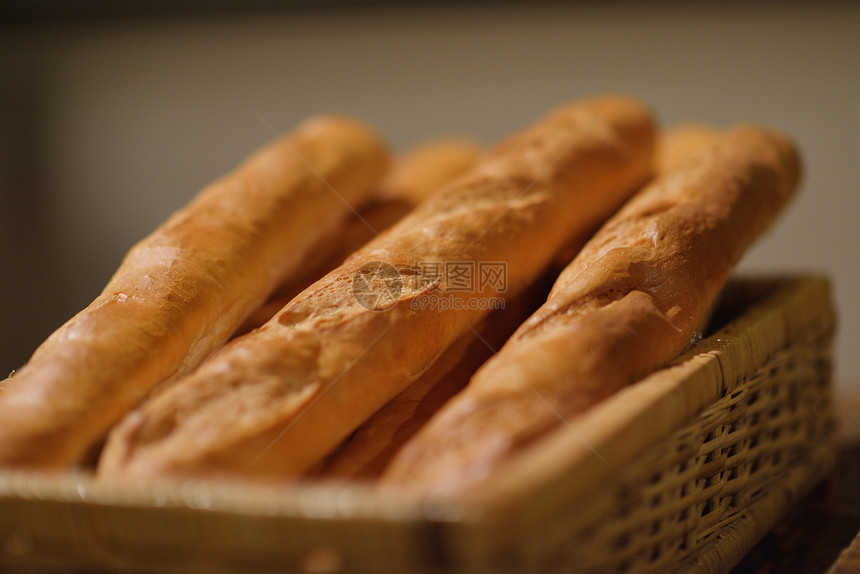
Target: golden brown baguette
x=675, y=146
x=631, y=301
x=412, y=178
x=366, y=454
x=180, y=292
x=682, y=143
x=368, y=451
x=271, y=404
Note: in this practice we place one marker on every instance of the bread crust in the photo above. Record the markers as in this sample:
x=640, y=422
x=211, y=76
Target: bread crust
x=682, y=143
x=413, y=177
x=631, y=301
x=369, y=450
x=271, y=404
x=181, y=291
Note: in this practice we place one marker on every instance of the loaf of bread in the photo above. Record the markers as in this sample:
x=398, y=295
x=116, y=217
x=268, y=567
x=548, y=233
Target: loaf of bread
x=183, y=290
x=681, y=144
x=632, y=300
x=413, y=177
x=675, y=146
x=369, y=450
x=271, y=404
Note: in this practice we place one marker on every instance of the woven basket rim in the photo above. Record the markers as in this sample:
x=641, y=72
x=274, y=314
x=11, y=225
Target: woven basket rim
x=641, y=415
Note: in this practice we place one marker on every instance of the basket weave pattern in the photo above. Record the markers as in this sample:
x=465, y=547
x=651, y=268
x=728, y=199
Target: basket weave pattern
x=679, y=497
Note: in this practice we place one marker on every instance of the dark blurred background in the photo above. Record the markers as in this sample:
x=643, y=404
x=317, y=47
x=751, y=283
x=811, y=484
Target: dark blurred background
x=112, y=114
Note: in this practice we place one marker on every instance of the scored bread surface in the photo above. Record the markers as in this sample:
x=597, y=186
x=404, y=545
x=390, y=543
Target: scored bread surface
x=271, y=404
x=181, y=292
x=632, y=300
x=413, y=177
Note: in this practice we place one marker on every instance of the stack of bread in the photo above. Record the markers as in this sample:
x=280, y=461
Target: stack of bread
x=323, y=312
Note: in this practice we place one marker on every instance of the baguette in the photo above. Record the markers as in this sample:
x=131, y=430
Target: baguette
x=367, y=453
x=632, y=300
x=183, y=290
x=681, y=144
x=412, y=178
x=271, y=404
x=675, y=146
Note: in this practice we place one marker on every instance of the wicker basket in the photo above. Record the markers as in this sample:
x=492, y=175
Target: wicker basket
x=684, y=470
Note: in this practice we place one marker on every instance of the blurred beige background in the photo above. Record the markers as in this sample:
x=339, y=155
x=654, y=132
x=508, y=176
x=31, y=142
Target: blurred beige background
x=107, y=125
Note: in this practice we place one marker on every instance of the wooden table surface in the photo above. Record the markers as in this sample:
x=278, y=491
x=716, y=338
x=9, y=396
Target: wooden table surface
x=817, y=535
